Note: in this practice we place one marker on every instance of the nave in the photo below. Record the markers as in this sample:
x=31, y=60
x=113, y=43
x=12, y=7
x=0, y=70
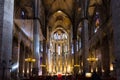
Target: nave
x=59, y=39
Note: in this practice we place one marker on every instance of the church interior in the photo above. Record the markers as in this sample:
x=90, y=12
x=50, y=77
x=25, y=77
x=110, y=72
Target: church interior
x=59, y=39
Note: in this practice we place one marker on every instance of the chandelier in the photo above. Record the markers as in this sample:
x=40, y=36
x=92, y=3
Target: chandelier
x=92, y=58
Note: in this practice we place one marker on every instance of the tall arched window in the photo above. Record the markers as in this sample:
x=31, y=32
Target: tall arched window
x=59, y=35
x=97, y=21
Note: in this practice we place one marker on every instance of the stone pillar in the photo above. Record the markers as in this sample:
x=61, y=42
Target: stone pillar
x=76, y=63
x=18, y=57
x=14, y=57
x=99, y=61
x=26, y=64
x=105, y=56
x=36, y=66
x=85, y=46
x=85, y=38
x=21, y=59
x=44, y=58
x=30, y=62
x=6, y=27
x=116, y=33
x=36, y=47
x=63, y=61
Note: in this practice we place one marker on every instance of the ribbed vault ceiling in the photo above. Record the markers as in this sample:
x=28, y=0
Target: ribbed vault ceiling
x=59, y=18
x=58, y=12
x=54, y=5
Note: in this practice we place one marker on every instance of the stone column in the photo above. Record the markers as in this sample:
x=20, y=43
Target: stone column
x=99, y=61
x=30, y=62
x=85, y=38
x=116, y=33
x=85, y=46
x=76, y=63
x=36, y=47
x=18, y=58
x=36, y=65
x=105, y=56
x=26, y=63
x=21, y=59
x=44, y=58
x=14, y=57
x=63, y=61
x=6, y=27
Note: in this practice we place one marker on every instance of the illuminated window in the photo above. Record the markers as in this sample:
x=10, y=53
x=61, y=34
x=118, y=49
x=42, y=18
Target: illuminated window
x=22, y=14
x=59, y=35
x=59, y=50
x=65, y=49
x=80, y=44
x=72, y=49
x=97, y=21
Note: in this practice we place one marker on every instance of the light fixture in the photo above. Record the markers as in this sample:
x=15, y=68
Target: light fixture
x=30, y=59
x=59, y=11
x=92, y=59
x=88, y=75
x=42, y=65
x=76, y=65
x=111, y=67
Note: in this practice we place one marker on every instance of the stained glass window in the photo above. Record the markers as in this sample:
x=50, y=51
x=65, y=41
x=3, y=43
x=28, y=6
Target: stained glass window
x=97, y=21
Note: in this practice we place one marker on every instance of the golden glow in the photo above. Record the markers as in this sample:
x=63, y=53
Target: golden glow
x=103, y=70
x=30, y=60
x=50, y=69
x=59, y=11
x=69, y=69
x=42, y=65
x=76, y=65
x=91, y=69
x=92, y=59
x=88, y=75
x=59, y=46
x=28, y=71
x=64, y=70
x=80, y=71
x=96, y=69
x=23, y=71
x=111, y=67
x=81, y=63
